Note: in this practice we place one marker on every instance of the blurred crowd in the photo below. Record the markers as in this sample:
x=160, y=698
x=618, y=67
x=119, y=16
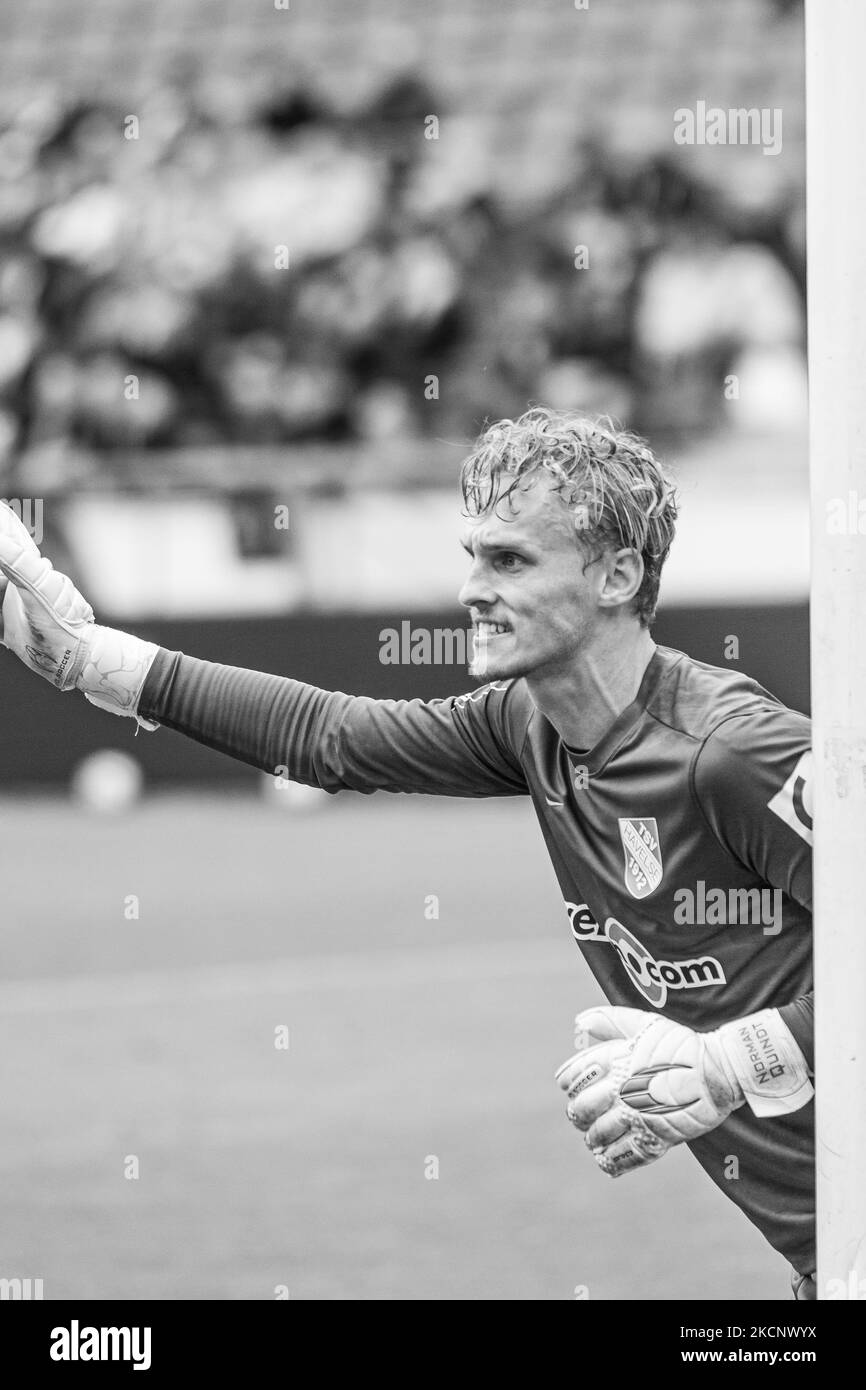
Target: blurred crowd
x=238, y=265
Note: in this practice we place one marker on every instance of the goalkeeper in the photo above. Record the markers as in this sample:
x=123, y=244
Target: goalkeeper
x=672, y=796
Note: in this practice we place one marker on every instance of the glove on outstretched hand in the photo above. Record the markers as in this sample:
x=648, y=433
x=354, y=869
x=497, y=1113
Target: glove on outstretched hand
x=49, y=626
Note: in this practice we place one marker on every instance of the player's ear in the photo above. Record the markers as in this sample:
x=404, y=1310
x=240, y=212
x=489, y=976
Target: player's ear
x=622, y=576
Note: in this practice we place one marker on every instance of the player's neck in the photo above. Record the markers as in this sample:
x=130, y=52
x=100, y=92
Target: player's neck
x=583, y=699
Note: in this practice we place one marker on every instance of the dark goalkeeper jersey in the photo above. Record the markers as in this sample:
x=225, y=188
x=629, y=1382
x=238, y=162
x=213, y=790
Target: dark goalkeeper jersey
x=681, y=842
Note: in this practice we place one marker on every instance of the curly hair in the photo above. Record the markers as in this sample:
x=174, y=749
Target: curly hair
x=610, y=481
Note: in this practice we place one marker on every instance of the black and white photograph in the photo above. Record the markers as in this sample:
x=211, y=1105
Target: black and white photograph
x=433, y=752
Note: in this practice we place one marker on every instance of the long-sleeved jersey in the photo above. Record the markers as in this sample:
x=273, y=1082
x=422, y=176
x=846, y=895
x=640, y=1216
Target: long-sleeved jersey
x=681, y=842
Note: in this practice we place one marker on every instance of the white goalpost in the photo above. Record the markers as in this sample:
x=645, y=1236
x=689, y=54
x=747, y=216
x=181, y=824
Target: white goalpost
x=836, y=200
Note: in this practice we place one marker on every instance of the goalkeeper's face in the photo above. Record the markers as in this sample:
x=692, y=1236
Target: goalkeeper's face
x=534, y=602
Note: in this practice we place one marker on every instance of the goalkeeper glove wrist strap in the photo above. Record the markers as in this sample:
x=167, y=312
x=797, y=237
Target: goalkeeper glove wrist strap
x=114, y=670
x=761, y=1052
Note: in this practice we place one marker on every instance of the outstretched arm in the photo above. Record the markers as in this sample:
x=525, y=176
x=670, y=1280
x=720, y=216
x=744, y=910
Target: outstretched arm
x=463, y=746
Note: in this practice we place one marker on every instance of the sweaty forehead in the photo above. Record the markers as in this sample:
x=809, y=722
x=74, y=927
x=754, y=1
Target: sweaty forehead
x=536, y=516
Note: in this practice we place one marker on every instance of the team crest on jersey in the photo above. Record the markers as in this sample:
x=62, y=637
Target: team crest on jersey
x=643, y=858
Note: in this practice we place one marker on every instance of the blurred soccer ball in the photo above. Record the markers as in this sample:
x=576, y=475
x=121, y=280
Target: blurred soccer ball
x=107, y=781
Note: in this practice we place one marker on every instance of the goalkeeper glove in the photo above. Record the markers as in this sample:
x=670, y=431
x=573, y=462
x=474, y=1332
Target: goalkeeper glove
x=49, y=625
x=639, y=1083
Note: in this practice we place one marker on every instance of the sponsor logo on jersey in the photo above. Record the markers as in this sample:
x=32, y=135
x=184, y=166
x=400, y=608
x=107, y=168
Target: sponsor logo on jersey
x=653, y=978
x=793, y=802
x=643, y=858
